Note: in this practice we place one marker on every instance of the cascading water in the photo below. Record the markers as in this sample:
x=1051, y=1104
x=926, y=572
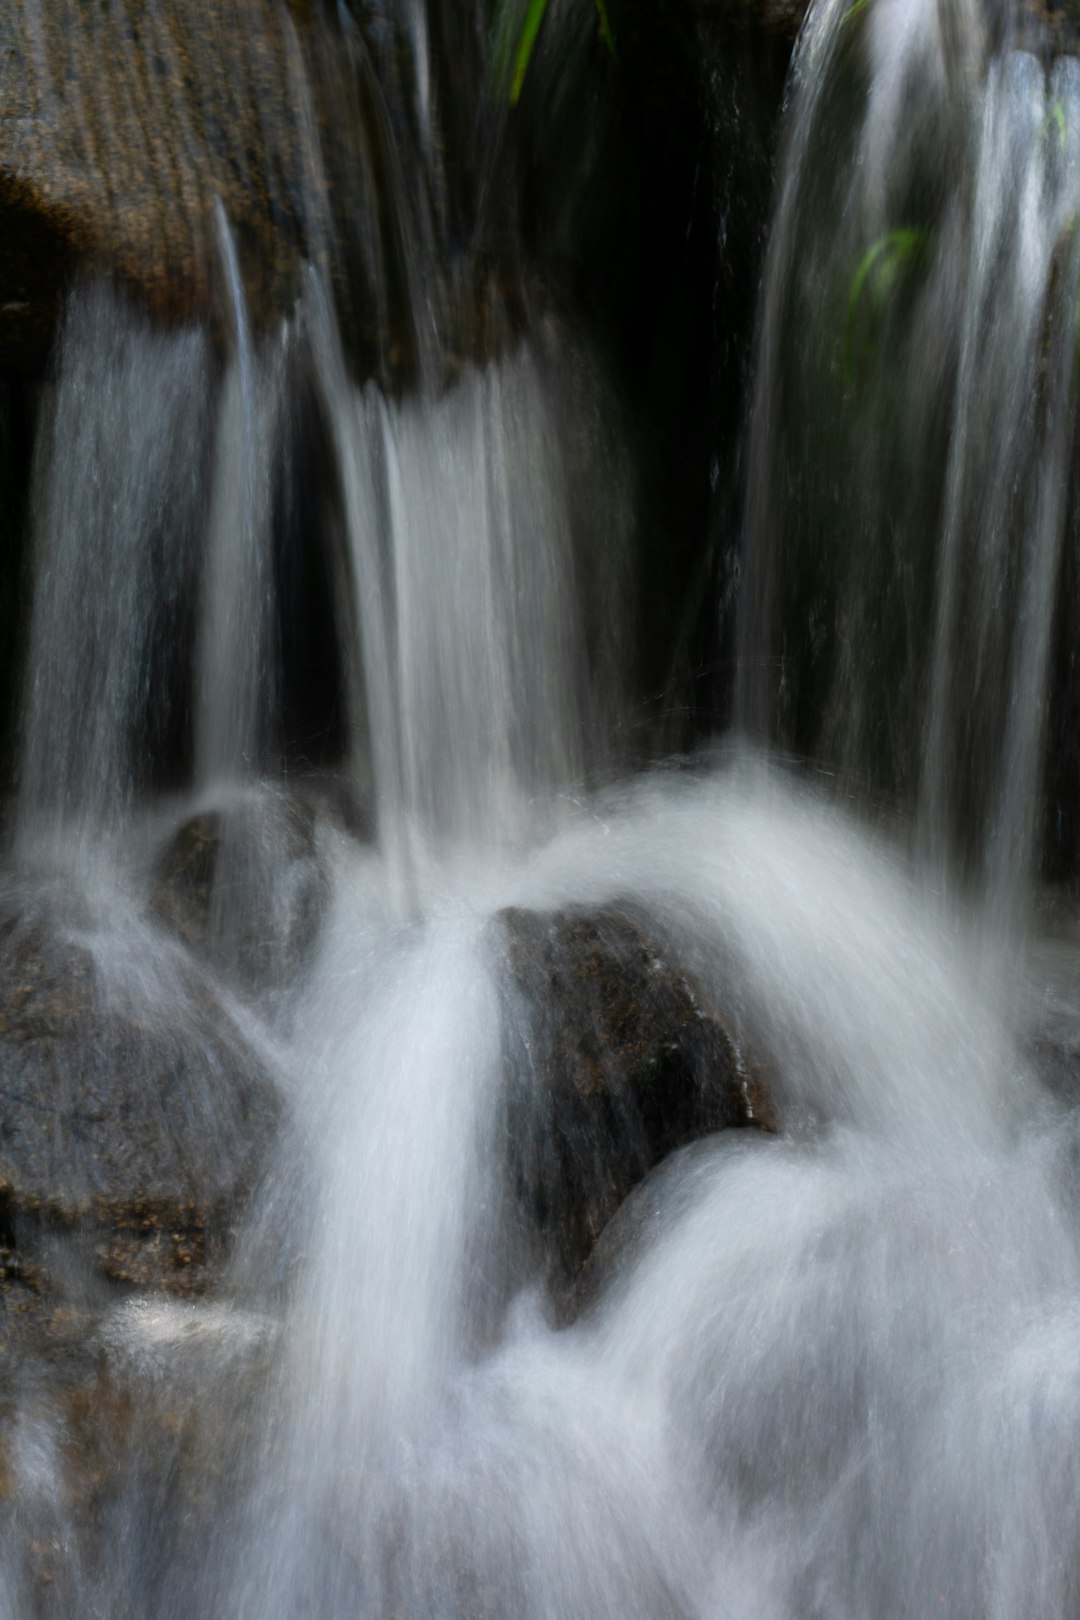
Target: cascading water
x=830, y=1371
x=461, y=575
x=916, y=418
x=113, y=508
x=237, y=666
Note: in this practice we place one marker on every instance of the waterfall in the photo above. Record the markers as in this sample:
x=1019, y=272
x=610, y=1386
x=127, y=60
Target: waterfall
x=907, y=508
x=120, y=466
x=461, y=573
x=237, y=666
x=377, y=1012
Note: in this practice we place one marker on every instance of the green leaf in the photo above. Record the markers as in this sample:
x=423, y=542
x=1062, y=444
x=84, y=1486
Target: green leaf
x=533, y=18
x=884, y=260
x=854, y=10
x=1055, y=119
x=605, y=28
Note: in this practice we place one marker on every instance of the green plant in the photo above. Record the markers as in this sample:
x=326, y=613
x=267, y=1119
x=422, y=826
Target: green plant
x=878, y=269
x=1055, y=119
x=534, y=16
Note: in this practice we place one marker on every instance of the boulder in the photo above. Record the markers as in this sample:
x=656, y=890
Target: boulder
x=616, y=1059
x=244, y=889
x=134, y=1115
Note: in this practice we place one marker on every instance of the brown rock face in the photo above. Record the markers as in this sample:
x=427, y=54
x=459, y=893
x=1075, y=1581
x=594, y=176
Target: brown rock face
x=120, y=124
x=128, y=131
x=616, y=1061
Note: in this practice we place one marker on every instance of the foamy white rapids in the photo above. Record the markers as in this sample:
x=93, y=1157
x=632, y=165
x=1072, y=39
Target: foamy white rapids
x=827, y=1374
x=836, y=1373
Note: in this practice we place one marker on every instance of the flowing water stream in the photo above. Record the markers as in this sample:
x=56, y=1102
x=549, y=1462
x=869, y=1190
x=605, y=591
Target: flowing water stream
x=824, y=1374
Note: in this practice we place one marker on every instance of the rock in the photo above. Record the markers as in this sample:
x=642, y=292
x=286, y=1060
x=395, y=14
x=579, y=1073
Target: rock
x=146, y=1410
x=244, y=889
x=134, y=1115
x=125, y=130
x=781, y=17
x=120, y=126
x=615, y=1061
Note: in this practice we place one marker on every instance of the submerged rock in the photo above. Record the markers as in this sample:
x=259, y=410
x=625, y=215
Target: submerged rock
x=244, y=889
x=143, y=1411
x=134, y=1115
x=616, y=1060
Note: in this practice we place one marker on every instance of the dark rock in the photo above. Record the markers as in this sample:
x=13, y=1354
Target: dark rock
x=782, y=17
x=134, y=1115
x=615, y=1061
x=244, y=889
x=655, y=1206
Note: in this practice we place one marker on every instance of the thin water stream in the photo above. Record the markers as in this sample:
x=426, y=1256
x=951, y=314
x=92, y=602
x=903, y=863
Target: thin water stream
x=822, y=1373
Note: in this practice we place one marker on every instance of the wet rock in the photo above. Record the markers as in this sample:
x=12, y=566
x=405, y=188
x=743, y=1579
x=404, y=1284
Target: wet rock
x=782, y=17
x=129, y=1418
x=126, y=131
x=655, y=1206
x=134, y=1114
x=616, y=1060
x=119, y=127
x=243, y=888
